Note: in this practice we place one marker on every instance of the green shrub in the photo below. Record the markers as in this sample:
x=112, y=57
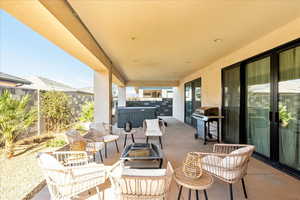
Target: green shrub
x=15, y=117
x=56, y=110
x=56, y=143
x=87, y=113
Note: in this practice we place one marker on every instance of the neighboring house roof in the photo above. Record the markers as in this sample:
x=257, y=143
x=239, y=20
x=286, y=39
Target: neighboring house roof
x=87, y=90
x=46, y=84
x=42, y=83
x=13, y=79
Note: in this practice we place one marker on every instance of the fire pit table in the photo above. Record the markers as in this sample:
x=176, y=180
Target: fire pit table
x=142, y=156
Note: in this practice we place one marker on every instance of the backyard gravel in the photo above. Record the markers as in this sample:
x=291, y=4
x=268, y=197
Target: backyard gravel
x=20, y=175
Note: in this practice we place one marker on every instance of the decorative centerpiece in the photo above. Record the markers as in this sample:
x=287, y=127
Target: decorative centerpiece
x=192, y=166
x=127, y=127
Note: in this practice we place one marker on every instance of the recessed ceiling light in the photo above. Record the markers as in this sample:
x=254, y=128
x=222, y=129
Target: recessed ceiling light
x=218, y=40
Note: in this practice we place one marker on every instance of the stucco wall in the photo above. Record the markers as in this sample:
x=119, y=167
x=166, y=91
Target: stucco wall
x=211, y=74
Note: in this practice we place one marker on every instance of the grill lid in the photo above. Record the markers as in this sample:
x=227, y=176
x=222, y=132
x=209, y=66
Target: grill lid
x=207, y=111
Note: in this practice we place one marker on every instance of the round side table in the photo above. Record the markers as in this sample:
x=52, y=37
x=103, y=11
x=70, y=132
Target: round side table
x=202, y=183
x=132, y=132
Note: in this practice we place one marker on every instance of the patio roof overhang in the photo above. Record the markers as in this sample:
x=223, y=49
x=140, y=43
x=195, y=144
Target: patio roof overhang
x=151, y=43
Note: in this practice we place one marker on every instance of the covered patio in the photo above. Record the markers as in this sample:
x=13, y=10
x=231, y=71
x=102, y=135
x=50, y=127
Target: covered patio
x=232, y=55
x=262, y=180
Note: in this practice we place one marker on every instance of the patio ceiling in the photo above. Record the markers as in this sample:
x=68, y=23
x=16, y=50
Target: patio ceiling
x=167, y=40
x=152, y=43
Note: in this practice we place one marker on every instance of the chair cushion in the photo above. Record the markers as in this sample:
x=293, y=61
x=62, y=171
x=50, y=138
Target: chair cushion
x=153, y=133
x=152, y=124
x=144, y=172
x=235, y=161
x=94, y=146
x=97, y=129
x=110, y=138
x=49, y=162
x=211, y=160
x=229, y=175
x=89, y=168
x=145, y=186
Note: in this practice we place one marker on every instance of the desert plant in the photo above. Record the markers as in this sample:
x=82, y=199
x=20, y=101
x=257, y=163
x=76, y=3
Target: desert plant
x=56, y=143
x=56, y=110
x=15, y=117
x=87, y=113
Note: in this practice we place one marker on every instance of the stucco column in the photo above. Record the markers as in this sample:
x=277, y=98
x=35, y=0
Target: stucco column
x=178, y=103
x=103, y=96
x=121, y=96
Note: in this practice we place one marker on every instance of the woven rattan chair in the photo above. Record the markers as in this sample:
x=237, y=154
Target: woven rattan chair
x=154, y=128
x=74, y=136
x=69, y=173
x=228, y=162
x=104, y=132
x=136, y=184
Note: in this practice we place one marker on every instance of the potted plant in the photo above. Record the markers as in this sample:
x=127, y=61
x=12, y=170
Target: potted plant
x=15, y=117
x=284, y=115
x=87, y=114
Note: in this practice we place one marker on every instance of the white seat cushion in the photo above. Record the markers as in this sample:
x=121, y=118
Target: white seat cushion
x=152, y=124
x=110, y=138
x=49, y=162
x=94, y=146
x=143, y=186
x=235, y=161
x=144, y=172
x=153, y=133
x=89, y=168
x=229, y=175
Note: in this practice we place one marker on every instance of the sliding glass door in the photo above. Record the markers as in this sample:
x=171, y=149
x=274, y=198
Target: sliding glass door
x=231, y=104
x=262, y=95
x=289, y=107
x=258, y=91
x=188, y=104
x=192, y=100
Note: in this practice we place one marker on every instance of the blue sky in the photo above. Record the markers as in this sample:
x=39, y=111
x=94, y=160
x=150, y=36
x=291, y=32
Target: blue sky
x=24, y=52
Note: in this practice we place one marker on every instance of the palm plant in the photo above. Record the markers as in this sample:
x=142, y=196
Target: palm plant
x=15, y=117
x=87, y=114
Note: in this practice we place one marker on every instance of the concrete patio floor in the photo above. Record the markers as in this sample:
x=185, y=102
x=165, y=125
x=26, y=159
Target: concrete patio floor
x=262, y=181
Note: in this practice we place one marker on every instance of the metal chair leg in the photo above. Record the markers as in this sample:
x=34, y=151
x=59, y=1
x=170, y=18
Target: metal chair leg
x=125, y=140
x=205, y=194
x=117, y=146
x=160, y=142
x=101, y=156
x=179, y=194
x=197, y=195
x=231, y=193
x=244, y=188
x=105, y=148
x=132, y=137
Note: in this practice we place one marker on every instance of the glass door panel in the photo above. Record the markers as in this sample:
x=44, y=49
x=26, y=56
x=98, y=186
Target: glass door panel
x=188, y=103
x=197, y=98
x=258, y=91
x=289, y=107
x=231, y=105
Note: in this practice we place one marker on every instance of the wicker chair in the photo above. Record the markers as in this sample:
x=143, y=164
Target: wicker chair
x=136, y=184
x=74, y=136
x=154, y=128
x=104, y=132
x=228, y=162
x=69, y=173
